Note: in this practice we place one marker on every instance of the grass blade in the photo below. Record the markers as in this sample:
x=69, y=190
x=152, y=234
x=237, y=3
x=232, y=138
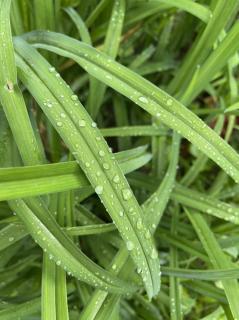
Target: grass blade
x=139, y=247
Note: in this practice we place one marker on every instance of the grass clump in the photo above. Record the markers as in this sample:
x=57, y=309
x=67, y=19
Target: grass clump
x=119, y=159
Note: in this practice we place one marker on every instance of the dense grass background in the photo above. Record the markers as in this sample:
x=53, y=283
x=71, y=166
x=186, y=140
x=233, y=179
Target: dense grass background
x=119, y=159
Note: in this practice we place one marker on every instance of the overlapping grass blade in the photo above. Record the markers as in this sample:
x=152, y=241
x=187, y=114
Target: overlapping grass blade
x=156, y=203
x=42, y=226
x=80, y=265
x=49, y=178
x=217, y=257
x=47, y=88
x=145, y=94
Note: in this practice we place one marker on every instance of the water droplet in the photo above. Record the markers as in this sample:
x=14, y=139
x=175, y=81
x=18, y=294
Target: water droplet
x=11, y=239
x=106, y=166
x=121, y=213
x=99, y=189
x=63, y=115
x=58, y=263
x=154, y=254
x=51, y=69
x=139, y=270
x=143, y=99
x=169, y=102
x=116, y=179
x=139, y=224
x=94, y=125
x=147, y=234
x=74, y=97
x=59, y=124
x=101, y=153
x=130, y=245
x=127, y=194
x=114, y=266
x=81, y=123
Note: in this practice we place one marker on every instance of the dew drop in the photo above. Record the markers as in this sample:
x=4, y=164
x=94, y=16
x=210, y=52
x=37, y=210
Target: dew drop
x=10, y=239
x=169, y=102
x=147, y=234
x=139, y=224
x=51, y=69
x=130, y=245
x=99, y=189
x=121, y=213
x=59, y=124
x=116, y=179
x=143, y=99
x=154, y=254
x=94, y=125
x=139, y=270
x=74, y=97
x=101, y=153
x=127, y=194
x=63, y=115
x=81, y=123
x=106, y=166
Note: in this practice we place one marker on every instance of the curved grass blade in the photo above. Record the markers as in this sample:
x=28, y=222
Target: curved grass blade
x=195, y=9
x=156, y=203
x=80, y=25
x=80, y=265
x=44, y=229
x=155, y=101
x=111, y=45
x=107, y=178
x=217, y=257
